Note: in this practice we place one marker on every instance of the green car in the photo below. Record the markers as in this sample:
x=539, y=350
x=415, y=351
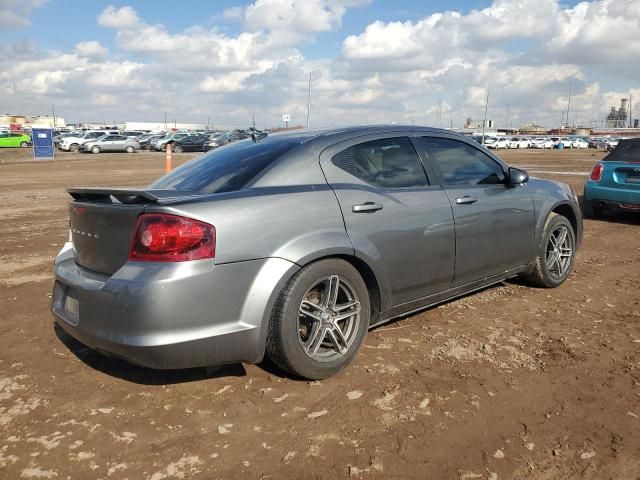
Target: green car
x=11, y=139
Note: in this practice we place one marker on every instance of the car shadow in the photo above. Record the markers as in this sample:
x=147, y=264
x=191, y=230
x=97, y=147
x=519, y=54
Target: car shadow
x=142, y=375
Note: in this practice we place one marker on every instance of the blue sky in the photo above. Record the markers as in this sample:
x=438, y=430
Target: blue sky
x=371, y=59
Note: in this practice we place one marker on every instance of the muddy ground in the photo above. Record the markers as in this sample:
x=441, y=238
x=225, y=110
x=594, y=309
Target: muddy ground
x=513, y=382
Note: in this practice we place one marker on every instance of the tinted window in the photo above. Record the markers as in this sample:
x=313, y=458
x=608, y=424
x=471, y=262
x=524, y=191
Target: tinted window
x=119, y=138
x=387, y=163
x=109, y=138
x=626, y=151
x=224, y=169
x=462, y=164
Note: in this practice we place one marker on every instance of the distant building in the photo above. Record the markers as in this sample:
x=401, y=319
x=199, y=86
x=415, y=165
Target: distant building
x=618, y=118
x=470, y=123
x=532, y=129
x=27, y=121
x=161, y=126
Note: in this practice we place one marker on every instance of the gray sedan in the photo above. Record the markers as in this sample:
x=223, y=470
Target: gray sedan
x=294, y=246
x=111, y=143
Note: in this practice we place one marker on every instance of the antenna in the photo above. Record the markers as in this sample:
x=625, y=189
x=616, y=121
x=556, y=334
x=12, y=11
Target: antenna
x=569, y=103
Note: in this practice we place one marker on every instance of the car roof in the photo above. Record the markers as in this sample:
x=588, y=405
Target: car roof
x=336, y=134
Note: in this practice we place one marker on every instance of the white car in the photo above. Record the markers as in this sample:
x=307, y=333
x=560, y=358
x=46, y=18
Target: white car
x=542, y=142
x=74, y=143
x=518, y=142
x=580, y=143
x=500, y=142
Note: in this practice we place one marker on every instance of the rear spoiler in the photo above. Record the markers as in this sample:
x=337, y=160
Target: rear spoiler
x=130, y=196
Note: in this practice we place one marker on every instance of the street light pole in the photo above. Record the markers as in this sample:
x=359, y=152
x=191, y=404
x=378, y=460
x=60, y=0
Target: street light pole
x=484, y=122
x=309, y=102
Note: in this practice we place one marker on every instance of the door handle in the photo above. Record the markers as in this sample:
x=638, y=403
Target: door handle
x=466, y=200
x=366, y=207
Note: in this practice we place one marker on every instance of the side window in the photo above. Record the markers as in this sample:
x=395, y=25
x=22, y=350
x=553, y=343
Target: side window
x=108, y=138
x=463, y=164
x=386, y=163
x=119, y=138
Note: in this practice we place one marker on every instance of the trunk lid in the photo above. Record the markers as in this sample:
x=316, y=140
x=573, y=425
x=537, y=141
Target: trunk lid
x=103, y=222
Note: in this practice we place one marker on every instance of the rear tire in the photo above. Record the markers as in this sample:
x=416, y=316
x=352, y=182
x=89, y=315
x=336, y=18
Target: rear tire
x=95, y=149
x=555, y=253
x=129, y=149
x=24, y=144
x=315, y=334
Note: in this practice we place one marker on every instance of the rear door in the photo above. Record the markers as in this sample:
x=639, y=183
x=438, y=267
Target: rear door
x=394, y=217
x=494, y=223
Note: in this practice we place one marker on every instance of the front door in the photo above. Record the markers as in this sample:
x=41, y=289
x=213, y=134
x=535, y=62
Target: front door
x=394, y=217
x=494, y=223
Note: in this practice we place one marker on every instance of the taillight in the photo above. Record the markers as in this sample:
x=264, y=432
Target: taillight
x=596, y=173
x=162, y=237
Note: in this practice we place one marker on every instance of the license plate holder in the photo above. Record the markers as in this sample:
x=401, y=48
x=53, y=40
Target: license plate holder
x=71, y=307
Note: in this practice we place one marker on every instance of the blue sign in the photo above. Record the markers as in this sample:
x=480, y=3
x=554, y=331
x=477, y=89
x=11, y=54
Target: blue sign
x=42, y=139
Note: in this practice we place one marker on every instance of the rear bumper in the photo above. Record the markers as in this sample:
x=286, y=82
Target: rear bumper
x=610, y=197
x=167, y=316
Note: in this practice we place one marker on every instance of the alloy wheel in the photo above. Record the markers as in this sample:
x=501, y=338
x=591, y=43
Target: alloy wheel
x=559, y=252
x=328, y=319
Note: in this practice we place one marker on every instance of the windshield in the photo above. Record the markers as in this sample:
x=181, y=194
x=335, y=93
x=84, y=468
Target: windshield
x=224, y=169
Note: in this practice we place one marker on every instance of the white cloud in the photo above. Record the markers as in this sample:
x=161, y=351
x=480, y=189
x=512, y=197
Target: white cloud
x=15, y=13
x=119, y=18
x=91, y=49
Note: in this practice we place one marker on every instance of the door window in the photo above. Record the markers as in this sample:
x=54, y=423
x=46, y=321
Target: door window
x=386, y=163
x=463, y=164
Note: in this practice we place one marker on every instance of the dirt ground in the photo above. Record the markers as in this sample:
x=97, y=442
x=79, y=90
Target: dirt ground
x=513, y=382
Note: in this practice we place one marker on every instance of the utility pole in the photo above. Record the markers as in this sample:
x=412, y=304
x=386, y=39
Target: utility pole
x=309, y=101
x=165, y=120
x=253, y=120
x=53, y=112
x=508, y=114
x=630, y=115
x=484, y=121
x=207, y=123
x=569, y=103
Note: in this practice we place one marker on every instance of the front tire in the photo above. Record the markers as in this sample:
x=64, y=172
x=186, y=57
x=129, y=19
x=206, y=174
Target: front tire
x=129, y=149
x=177, y=149
x=74, y=147
x=24, y=144
x=95, y=149
x=555, y=254
x=319, y=320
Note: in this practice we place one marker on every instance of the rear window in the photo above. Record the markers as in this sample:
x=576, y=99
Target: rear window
x=626, y=151
x=224, y=169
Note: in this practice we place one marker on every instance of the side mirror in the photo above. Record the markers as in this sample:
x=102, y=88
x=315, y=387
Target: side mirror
x=517, y=177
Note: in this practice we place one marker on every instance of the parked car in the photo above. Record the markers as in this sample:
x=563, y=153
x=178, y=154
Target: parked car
x=341, y=231
x=598, y=143
x=74, y=143
x=132, y=133
x=500, y=142
x=190, y=144
x=225, y=138
x=580, y=143
x=111, y=143
x=161, y=143
x=146, y=141
x=14, y=139
x=541, y=142
x=614, y=183
x=518, y=142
